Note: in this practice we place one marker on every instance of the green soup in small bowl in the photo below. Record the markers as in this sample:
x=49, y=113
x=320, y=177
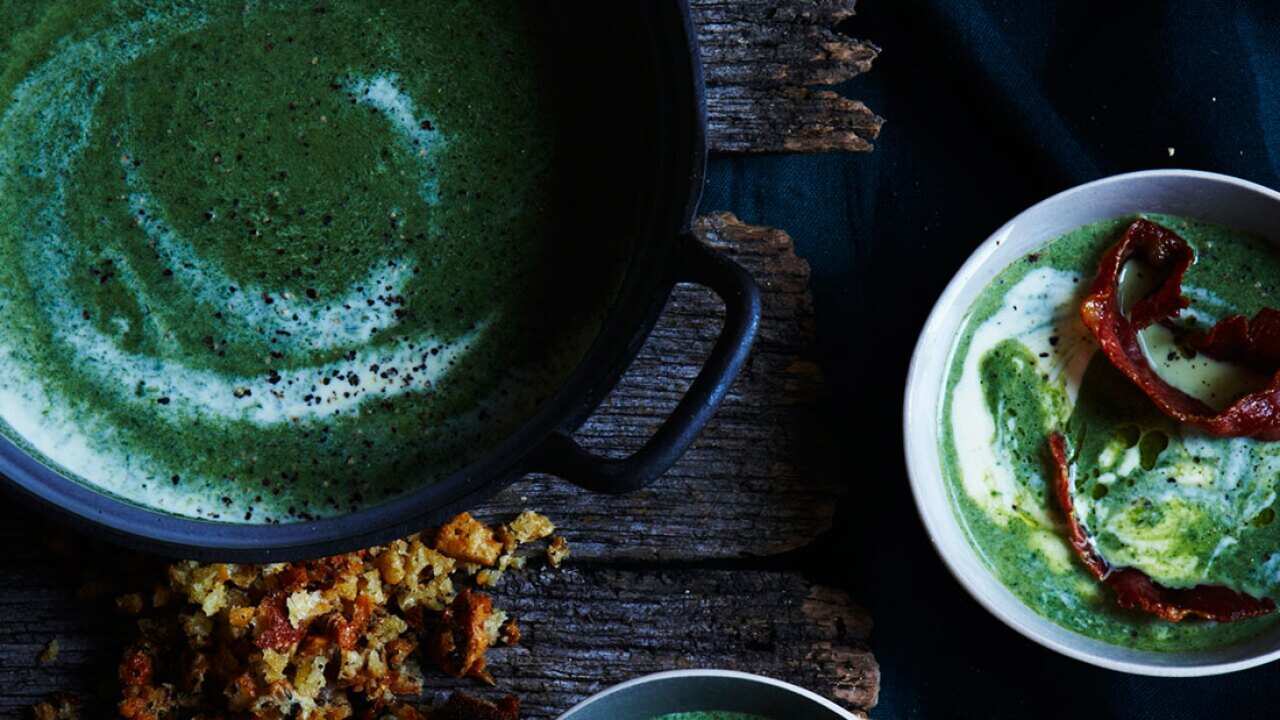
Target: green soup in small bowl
x=1005, y=361
x=706, y=695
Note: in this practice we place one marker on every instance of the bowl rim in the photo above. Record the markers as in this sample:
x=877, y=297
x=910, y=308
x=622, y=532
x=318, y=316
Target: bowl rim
x=919, y=444
x=709, y=673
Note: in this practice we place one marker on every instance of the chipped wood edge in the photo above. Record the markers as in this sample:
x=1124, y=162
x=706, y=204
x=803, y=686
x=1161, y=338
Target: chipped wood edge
x=765, y=62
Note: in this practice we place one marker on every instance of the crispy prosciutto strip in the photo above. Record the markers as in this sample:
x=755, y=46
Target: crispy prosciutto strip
x=1255, y=343
x=1134, y=589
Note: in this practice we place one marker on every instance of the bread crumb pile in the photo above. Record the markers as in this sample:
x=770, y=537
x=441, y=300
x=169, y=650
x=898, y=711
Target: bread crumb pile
x=341, y=637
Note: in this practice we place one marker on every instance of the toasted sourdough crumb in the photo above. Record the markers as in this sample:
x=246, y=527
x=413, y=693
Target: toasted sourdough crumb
x=557, y=551
x=49, y=653
x=325, y=639
x=58, y=707
x=530, y=526
x=130, y=604
x=463, y=634
x=466, y=539
x=510, y=632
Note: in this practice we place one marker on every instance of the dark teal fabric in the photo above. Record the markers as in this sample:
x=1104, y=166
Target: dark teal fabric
x=993, y=105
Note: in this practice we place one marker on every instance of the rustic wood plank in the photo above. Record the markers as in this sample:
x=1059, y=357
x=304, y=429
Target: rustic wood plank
x=38, y=602
x=758, y=481
x=750, y=486
x=763, y=59
x=587, y=628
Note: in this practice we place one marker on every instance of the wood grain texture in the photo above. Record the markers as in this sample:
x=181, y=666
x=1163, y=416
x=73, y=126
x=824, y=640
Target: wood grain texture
x=588, y=628
x=752, y=484
x=667, y=577
x=763, y=62
x=585, y=627
x=633, y=598
x=38, y=602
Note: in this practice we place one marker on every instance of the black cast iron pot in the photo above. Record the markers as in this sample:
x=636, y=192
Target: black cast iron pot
x=637, y=79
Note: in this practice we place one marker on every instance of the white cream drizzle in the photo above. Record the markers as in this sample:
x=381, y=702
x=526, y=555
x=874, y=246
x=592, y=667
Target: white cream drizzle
x=343, y=321
x=382, y=92
x=43, y=131
x=1041, y=306
x=1231, y=481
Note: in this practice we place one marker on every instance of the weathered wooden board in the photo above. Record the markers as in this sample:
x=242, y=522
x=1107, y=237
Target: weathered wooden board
x=755, y=483
x=763, y=60
x=747, y=488
x=38, y=603
x=634, y=597
x=586, y=629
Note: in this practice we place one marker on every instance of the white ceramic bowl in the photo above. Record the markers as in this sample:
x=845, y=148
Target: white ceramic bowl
x=705, y=690
x=1205, y=196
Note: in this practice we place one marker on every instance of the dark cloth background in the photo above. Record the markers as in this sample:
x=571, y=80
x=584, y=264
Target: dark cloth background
x=993, y=105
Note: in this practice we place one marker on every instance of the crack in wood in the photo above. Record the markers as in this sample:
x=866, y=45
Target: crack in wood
x=752, y=484
x=587, y=629
x=750, y=487
x=763, y=61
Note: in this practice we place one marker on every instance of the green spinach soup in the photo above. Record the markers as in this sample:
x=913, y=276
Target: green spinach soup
x=1184, y=508
x=264, y=260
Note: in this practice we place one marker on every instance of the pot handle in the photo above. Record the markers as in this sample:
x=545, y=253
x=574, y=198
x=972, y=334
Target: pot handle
x=561, y=455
